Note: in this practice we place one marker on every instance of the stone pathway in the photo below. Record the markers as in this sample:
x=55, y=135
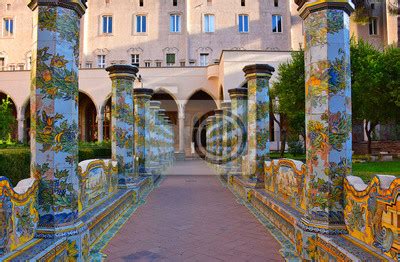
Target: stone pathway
x=192, y=217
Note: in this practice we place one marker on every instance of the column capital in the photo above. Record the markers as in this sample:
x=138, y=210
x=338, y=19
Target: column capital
x=226, y=105
x=79, y=6
x=237, y=92
x=306, y=7
x=142, y=92
x=122, y=72
x=258, y=70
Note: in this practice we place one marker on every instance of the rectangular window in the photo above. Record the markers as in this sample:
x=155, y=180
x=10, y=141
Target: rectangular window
x=203, y=59
x=8, y=27
x=21, y=67
x=12, y=67
x=276, y=3
x=276, y=23
x=170, y=59
x=141, y=24
x=209, y=2
x=147, y=64
x=243, y=23
x=101, y=61
x=373, y=26
x=175, y=23
x=209, y=23
x=158, y=64
x=175, y=2
x=243, y=2
x=135, y=59
x=183, y=64
x=107, y=24
x=88, y=65
x=140, y=2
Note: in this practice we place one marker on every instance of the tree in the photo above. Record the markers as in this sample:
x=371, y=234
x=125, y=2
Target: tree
x=371, y=97
x=7, y=120
x=289, y=90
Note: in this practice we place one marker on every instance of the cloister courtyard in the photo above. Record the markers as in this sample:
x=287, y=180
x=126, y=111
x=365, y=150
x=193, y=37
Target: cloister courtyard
x=263, y=155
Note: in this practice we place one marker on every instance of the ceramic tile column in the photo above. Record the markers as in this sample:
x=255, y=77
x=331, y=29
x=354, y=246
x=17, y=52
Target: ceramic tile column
x=218, y=143
x=163, y=142
x=258, y=76
x=142, y=98
x=54, y=114
x=181, y=126
x=212, y=131
x=154, y=136
x=239, y=136
x=122, y=77
x=328, y=111
x=226, y=133
x=208, y=138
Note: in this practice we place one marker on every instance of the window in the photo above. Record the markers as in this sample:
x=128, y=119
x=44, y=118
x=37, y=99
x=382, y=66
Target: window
x=141, y=24
x=147, y=64
x=175, y=23
x=101, y=61
x=88, y=65
x=107, y=24
x=8, y=27
x=243, y=2
x=170, y=59
x=276, y=23
x=12, y=67
x=209, y=23
x=182, y=63
x=8, y=7
x=373, y=26
x=203, y=59
x=175, y=2
x=158, y=64
x=243, y=23
x=21, y=67
x=140, y=2
x=276, y=3
x=135, y=59
x=209, y=2
x=2, y=63
x=372, y=6
x=29, y=64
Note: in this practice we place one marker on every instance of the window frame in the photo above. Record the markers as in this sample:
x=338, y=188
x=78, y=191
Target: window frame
x=105, y=31
x=136, y=24
x=376, y=29
x=175, y=25
x=205, y=62
x=103, y=63
x=4, y=27
x=205, y=29
x=170, y=55
x=135, y=59
x=281, y=24
x=243, y=31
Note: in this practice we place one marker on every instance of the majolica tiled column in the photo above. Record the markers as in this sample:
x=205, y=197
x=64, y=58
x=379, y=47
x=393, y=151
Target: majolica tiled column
x=122, y=77
x=208, y=138
x=239, y=134
x=141, y=97
x=154, y=136
x=226, y=133
x=212, y=131
x=258, y=76
x=163, y=142
x=219, y=130
x=54, y=114
x=328, y=111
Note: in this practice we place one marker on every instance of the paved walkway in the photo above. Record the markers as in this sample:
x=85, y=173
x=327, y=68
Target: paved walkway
x=192, y=218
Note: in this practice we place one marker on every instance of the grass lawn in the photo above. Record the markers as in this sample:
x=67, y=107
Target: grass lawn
x=368, y=169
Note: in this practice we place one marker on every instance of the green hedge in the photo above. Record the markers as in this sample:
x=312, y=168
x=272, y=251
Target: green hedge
x=15, y=161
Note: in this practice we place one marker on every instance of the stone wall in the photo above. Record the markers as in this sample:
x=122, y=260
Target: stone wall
x=361, y=148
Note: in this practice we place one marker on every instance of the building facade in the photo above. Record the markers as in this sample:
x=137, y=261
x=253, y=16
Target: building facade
x=188, y=51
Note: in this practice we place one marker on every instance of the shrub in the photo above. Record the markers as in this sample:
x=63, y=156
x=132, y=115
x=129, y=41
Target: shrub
x=15, y=163
x=296, y=148
x=15, y=159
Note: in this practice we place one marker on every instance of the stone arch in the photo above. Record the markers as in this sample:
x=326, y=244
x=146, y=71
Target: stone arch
x=203, y=90
x=87, y=118
x=198, y=107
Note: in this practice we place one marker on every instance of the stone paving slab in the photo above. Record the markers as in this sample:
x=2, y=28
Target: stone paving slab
x=192, y=218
